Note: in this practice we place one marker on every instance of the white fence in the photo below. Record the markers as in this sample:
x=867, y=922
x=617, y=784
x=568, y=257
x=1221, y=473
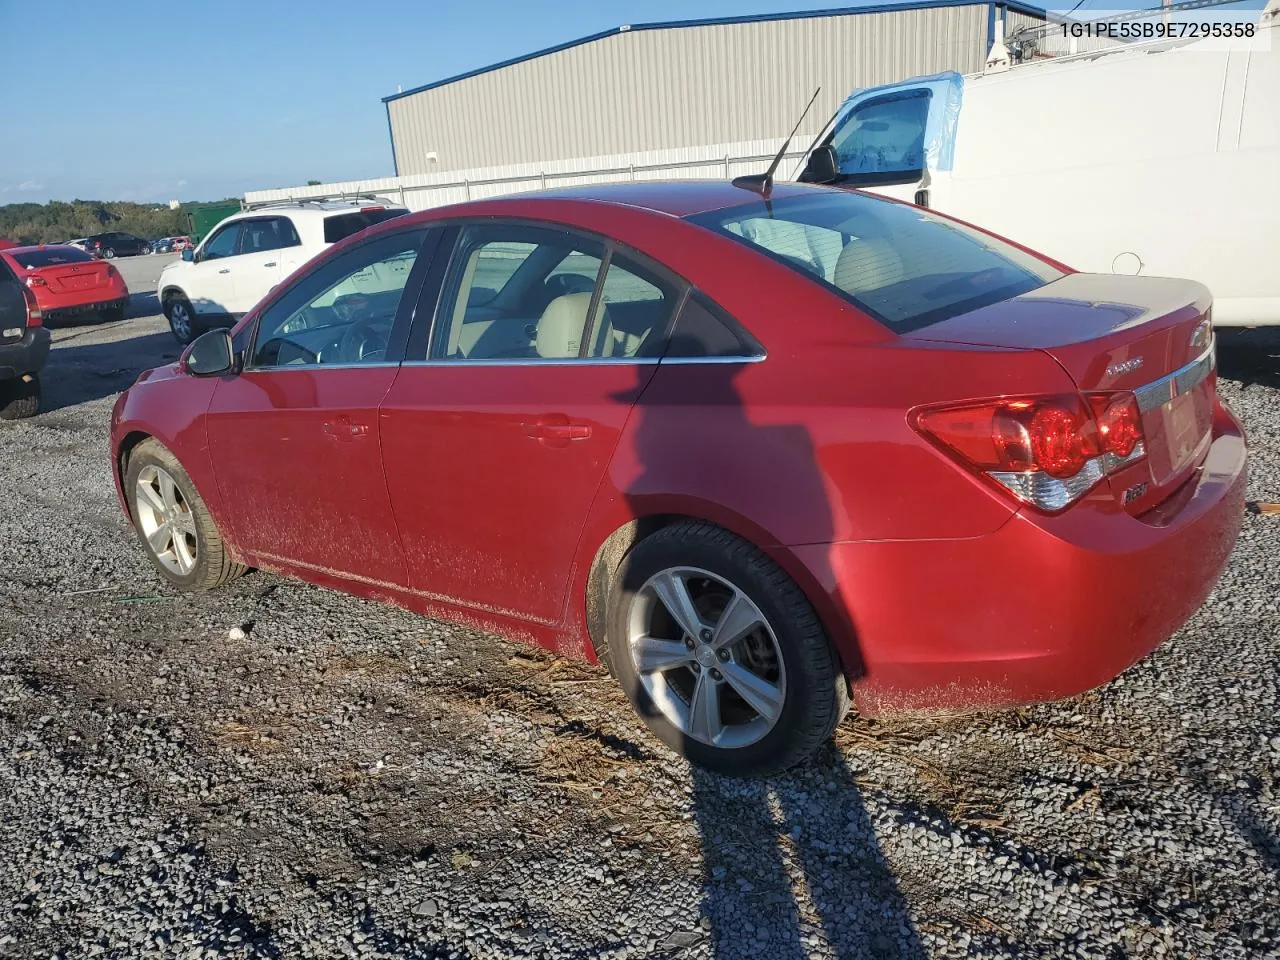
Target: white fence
x=423, y=191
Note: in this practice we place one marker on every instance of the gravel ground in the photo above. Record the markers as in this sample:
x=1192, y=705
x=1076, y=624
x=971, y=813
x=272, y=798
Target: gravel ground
x=277, y=770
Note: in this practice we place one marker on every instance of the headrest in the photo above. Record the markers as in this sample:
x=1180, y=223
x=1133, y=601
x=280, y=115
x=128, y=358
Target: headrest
x=561, y=326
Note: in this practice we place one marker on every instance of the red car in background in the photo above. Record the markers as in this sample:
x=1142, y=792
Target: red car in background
x=67, y=282
x=756, y=453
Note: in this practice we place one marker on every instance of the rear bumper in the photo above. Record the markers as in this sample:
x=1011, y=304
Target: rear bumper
x=26, y=355
x=61, y=312
x=1043, y=608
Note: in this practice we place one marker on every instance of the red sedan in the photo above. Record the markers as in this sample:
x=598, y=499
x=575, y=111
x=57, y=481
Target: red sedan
x=755, y=455
x=67, y=282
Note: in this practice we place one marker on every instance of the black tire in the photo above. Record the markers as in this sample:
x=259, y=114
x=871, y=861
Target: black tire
x=109, y=253
x=184, y=330
x=19, y=399
x=816, y=694
x=214, y=566
x=112, y=314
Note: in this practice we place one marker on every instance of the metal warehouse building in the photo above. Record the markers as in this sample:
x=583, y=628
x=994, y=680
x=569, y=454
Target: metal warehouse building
x=671, y=85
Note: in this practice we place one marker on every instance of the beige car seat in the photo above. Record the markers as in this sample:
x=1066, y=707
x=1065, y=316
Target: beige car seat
x=561, y=326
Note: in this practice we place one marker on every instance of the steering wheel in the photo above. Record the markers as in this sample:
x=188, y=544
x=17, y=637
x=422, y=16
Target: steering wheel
x=361, y=341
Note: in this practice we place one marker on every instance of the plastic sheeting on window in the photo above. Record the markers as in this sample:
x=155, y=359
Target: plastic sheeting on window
x=942, y=92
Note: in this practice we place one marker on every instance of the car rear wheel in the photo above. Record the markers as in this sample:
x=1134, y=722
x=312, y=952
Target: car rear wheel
x=721, y=653
x=172, y=522
x=181, y=319
x=109, y=253
x=113, y=314
x=19, y=398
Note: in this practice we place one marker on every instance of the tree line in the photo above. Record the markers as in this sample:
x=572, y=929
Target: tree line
x=59, y=221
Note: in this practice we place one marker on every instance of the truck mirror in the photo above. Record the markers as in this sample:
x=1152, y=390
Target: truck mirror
x=821, y=166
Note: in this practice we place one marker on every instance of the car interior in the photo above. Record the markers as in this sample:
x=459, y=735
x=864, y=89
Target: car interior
x=540, y=309
x=350, y=322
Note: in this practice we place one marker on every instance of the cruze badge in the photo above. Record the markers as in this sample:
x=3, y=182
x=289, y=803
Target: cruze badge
x=1124, y=366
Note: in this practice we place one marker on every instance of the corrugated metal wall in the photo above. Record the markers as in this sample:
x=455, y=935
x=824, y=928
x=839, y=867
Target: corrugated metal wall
x=677, y=87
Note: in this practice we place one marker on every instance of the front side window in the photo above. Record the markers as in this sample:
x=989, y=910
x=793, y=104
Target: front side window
x=881, y=141
x=906, y=267
x=223, y=243
x=342, y=312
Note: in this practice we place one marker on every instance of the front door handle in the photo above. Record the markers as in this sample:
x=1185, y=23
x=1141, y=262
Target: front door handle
x=344, y=429
x=271, y=264
x=225, y=270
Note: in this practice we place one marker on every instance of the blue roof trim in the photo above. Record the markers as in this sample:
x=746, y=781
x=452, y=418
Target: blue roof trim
x=1015, y=5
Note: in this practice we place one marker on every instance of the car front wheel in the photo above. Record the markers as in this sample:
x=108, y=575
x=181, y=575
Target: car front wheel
x=172, y=522
x=721, y=653
x=109, y=253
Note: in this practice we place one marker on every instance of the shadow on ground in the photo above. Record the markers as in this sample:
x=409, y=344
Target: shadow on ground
x=81, y=372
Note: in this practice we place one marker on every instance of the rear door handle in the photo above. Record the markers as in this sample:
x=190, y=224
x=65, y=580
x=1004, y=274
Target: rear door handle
x=271, y=264
x=557, y=430
x=564, y=431
x=225, y=270
x=344, y=429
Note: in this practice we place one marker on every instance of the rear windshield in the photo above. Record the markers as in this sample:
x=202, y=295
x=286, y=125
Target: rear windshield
x=903, y=265
x=51, y=257
x=345, y=224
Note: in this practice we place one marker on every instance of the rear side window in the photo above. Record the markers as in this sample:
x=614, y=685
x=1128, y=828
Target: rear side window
x=704, y=330
x=343, y=225
x=51, y=257
x=905, y=266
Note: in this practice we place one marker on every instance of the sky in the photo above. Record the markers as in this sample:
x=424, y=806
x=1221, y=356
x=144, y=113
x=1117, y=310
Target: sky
x=156, y=100
x=179, y=100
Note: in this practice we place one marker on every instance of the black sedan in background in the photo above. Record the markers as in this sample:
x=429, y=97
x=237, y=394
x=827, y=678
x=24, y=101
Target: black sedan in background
x=108, y=246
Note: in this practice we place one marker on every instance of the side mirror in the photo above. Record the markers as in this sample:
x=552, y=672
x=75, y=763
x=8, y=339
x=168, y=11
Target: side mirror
x=188, y=254
x=822, y=166
x=210, y=355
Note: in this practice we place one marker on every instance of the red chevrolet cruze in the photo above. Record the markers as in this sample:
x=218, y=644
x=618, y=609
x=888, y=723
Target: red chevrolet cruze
x=754, y=453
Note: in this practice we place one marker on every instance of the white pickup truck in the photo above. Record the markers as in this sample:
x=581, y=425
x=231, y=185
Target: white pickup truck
x=1154, y=158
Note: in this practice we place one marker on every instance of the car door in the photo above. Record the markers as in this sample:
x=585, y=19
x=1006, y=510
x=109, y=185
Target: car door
x=264, y=242
x=210, y=283
x=294, y=436
x=497, y=431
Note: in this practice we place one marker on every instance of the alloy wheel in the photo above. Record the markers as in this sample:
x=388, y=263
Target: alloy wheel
x=707, y=657
x=180, y=320
x=166, y=520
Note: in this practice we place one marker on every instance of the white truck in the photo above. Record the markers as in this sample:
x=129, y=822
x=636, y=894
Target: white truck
x=1161, y=159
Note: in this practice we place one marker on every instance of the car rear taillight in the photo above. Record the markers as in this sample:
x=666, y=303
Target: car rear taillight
x=37, y=282
x=371, y=209
x=1046, y=451
x=34, y=316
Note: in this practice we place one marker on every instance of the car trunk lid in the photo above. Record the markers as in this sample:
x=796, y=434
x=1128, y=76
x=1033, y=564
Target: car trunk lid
x=73, y=277
x=1148, y=335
